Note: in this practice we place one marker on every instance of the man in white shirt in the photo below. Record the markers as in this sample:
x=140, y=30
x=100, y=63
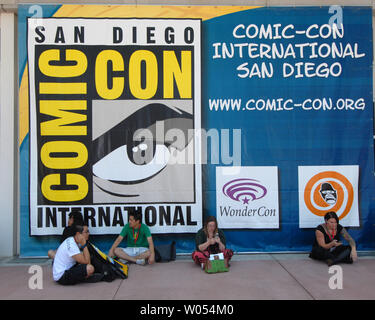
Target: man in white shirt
x=72, y=266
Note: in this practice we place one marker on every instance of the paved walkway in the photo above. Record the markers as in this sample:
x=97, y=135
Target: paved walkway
x=251, y=277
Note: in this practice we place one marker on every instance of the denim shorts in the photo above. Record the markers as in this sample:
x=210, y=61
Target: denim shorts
x=134, y=251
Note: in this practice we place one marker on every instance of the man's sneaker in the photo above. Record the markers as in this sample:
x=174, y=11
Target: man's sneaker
x=141, y=262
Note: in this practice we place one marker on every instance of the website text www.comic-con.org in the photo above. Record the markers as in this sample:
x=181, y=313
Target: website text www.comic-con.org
x=286, y=104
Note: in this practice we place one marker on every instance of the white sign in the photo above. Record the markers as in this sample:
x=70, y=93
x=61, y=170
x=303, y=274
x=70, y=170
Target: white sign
x=328, y=188
x=247, y=197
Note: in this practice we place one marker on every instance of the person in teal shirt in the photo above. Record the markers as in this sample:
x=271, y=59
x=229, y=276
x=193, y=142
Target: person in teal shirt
x=140, y=247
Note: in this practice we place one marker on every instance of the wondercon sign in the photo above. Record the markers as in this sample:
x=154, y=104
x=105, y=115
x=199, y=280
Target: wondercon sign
x=247, y=197
x=106, y=98
x=328, y=188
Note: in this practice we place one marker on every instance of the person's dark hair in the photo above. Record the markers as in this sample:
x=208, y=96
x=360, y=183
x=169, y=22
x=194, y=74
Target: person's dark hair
x=210, y=219
x=77, y=216
x=330, y=215
x=137, y=216
x=77, y=228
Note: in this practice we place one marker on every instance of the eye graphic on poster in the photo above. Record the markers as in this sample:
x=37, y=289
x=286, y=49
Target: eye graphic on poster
x=132, y=161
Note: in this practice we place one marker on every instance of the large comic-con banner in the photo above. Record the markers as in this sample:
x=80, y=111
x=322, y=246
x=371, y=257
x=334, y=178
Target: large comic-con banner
x=107, y=97
x=262, y=117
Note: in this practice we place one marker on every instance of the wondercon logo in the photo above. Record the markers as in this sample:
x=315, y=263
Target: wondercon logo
x=244, y=190
x=329, y=191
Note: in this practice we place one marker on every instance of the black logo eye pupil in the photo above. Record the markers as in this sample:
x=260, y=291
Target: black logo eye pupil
x=141, y=153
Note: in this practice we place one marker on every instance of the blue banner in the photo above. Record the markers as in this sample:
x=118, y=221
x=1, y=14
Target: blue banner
x=299, y=89
x=285, y=121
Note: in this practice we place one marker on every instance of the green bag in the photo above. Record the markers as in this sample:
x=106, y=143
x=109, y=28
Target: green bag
x=216, y=265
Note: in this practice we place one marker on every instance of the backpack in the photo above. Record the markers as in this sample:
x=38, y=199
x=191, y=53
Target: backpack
x=111, y=269
x=165, y=252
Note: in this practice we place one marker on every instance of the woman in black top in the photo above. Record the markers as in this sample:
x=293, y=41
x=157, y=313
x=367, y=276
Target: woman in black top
x=210, y=240
x=327, y=245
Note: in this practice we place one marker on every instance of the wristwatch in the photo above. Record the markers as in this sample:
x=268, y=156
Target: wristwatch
x=84, y=246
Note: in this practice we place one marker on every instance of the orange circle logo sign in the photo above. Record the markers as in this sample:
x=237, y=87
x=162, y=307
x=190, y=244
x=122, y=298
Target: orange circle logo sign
x=326, y=191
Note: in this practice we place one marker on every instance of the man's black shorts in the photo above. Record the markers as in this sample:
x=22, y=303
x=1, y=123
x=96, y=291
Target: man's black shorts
x=75, y=274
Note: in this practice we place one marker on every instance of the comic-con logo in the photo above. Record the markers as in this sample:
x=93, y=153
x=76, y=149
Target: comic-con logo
x=329, y=191
x=244, y=190
x=130, y=167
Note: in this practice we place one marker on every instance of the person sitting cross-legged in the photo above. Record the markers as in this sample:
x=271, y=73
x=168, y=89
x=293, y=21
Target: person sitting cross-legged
x=140, y=247
x=327, y=245
x=210, y=240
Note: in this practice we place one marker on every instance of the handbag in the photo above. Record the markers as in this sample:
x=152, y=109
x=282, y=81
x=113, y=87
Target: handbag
x=216, y=263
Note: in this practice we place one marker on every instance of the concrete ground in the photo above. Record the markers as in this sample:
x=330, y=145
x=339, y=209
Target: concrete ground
x=251, y=277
